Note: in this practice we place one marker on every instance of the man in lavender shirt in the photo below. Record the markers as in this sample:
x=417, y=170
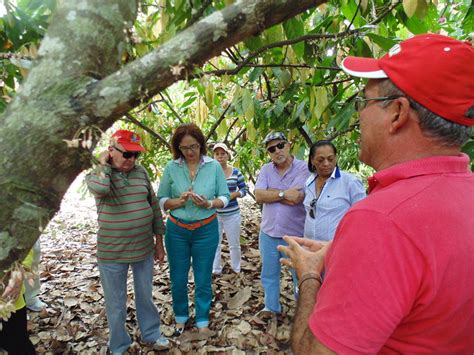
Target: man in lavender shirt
x=279, y=188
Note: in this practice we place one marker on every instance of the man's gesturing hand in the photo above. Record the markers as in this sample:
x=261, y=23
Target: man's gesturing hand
x=304, y=255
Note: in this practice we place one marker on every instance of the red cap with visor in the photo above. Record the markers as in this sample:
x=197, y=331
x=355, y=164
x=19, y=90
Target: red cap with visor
x=434, y=70
x=129, y=140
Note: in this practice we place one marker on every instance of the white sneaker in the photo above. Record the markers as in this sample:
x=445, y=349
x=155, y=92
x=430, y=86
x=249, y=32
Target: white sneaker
x=161, y=343
x=38, y=306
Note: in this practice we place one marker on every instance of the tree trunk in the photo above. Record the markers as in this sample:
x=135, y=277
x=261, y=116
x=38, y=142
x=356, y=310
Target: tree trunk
x=77, y=88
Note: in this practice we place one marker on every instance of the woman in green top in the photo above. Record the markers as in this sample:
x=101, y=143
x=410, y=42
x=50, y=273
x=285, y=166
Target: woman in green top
x=192, y=187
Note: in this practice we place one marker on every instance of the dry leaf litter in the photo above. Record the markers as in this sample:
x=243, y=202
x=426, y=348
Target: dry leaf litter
x=75, y=321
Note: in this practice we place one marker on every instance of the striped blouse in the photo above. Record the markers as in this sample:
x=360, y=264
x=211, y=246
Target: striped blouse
x=235, y=182
x=128, y=214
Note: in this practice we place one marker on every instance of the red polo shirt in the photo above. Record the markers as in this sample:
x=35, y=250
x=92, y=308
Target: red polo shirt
x=400, y=273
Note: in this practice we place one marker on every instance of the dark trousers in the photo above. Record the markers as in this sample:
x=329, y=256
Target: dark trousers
x=14, y=335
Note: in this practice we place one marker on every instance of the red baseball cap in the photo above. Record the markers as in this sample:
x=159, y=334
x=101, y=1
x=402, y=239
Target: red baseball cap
x=434, y=70
x=129, y=140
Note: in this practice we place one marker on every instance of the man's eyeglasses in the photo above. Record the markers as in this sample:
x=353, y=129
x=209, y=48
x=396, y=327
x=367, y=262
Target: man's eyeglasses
x=280, y=146
x=360, y=103
x=312, y=205
x=192, y=147
x=127, y=155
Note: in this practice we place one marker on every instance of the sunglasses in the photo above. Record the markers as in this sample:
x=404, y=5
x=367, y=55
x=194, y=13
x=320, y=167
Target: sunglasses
x=312, y=205
x=280, y=146
x=127, y=155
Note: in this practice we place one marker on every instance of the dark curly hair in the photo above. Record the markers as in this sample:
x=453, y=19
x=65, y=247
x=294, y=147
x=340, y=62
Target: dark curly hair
x=187, y=129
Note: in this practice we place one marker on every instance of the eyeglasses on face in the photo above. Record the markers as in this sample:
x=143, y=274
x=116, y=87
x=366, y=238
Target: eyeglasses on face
x=360, y=102
x=280, y=146
x=312, y=205
x=192, y=147
x=127, y=155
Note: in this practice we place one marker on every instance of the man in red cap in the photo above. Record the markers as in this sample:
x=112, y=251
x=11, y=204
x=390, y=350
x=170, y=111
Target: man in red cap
x=399, y=274
x=130, y=234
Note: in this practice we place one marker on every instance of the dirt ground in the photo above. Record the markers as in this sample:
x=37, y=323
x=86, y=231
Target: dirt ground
x=75, y=322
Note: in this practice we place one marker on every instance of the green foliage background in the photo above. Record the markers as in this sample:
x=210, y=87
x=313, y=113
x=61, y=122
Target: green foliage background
x=285, y=79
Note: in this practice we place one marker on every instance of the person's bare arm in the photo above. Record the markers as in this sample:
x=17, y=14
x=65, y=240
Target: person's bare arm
x=307, y=258
x=292, y=197
x=267, y=196
x=303, y=340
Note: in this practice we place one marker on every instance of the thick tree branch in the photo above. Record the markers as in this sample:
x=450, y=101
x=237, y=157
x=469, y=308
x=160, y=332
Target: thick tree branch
x=177, y=58
x=305, y=38
x=64, y=98
x=37, y=164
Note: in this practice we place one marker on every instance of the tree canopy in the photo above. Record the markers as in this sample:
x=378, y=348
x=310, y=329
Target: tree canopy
x=69, y=70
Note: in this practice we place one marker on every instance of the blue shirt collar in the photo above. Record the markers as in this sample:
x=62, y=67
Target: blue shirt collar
x=336, y=174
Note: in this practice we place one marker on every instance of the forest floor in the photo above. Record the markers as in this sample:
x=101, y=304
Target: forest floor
x=75, y=321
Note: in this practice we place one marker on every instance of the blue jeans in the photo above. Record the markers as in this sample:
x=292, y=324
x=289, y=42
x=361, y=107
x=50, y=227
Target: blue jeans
x=271, y=269
x=113, y=277
x=197, y=247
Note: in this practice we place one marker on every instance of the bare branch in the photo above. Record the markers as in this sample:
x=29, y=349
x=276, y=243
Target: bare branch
x=199, y=13
x=269, y=87
x=355, y=15
x=171, y=108
x=340, y=133
x=217, y=123
x=15, y=56
x=147, y=105
x=305, y=135
x=148, y=129
x=242, y=131
x=230, y=129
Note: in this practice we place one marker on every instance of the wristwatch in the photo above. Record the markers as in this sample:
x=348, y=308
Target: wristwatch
x=281, y=194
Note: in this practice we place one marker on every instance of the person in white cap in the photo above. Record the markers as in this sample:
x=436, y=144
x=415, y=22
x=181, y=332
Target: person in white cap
x=399, y=273
x=229, y=218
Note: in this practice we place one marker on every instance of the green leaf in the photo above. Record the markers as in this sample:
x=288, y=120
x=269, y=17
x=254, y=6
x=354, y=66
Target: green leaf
x=247, y=104
x=343, y=117
x=253, y=43
x=349, y=10
x=273, y=34
x=416, y=26
x=410, y=7
x=468, y=148
x=254, y=74
x=382, y=42
x=468, y=21
x=295, y=28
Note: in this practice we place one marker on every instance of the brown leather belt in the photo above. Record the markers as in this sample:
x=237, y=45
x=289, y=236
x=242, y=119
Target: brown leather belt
x=195, y=225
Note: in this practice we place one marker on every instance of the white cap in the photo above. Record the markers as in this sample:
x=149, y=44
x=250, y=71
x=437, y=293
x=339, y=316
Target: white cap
x=224, y=147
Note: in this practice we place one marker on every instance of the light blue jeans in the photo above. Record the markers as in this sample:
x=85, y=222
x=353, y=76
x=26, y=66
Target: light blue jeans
x=113, y=277
x=271, y=269
x=185, y=247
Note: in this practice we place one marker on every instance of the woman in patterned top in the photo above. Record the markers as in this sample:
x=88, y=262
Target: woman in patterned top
x=229, y=217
